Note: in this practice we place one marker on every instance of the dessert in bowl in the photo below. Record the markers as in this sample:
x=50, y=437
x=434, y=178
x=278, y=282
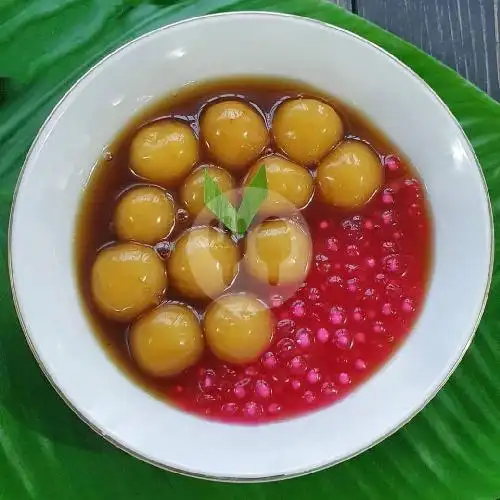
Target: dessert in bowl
x=281, y=341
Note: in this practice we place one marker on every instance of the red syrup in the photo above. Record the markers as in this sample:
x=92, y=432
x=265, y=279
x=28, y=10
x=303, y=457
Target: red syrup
x=363, y=294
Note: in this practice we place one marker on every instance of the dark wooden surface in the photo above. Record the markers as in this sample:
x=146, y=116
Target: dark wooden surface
x=464, y=34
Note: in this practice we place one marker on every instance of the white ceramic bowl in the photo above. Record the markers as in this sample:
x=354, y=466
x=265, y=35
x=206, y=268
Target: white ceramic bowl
x=100, y=105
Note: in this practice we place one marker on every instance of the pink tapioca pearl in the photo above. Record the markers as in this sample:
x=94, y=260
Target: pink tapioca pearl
x=337, y=315
x=342, y=339
x=286, y=327
x=358, y=314
x=387, y=197
x=303, y=338
x=335, y=281
x=371, y=293
x=392, y=163
x=397, y=235
x=360, y=338
x=329, y=389
x=262, y=389
x=368, y=224
x=298, y=309
x=344, y=378
x=252, y=409
x=351, y=268
x=389, y=247
x=378, y=327
x=208, y=382
x=323, y=267
x=387, y=309
x=352, y=225
x=309, y=397
x=352, y=251
x=393, y=289
x=313, y=376
x=392, y=263
x=298, y=365
x=407, y=306
x=296, y=385
x=381, y=278
x=388, y=217
x=178, y=389
x=323, y=224
x=269, y=360
x=274, y=408
x=240, y=392
x=360, y=365
x=332, y=244
x=323, y=335
x=313, y=294
x=371, y=262
x=353, y=285
x=276, y=300
x=229, y=408
x=285, y=348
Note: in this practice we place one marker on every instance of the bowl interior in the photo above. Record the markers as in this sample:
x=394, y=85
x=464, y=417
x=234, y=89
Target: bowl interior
x=102, y=103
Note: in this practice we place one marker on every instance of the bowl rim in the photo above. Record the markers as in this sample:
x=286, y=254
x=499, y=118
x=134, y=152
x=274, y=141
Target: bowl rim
x=276, y=477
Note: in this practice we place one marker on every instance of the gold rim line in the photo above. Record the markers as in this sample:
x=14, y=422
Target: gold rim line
x=258, y=479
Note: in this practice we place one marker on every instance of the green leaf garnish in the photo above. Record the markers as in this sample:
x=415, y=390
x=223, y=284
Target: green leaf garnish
x=218, y=203
x=237, y=221
x=253, y=196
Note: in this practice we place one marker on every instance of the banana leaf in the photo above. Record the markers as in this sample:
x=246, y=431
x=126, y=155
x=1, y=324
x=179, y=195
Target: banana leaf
x=451, y=450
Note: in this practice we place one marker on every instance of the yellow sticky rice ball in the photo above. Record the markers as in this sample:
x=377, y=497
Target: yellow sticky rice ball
x=289, y=185
x=127, y=279
x=192, y=191
x=350, y=175
x=164, y=152
x=307, y=129
x=235, y=134
x=238, y=328
x=167, y=340
x=145, y=214
x=278, y=252
x=203, y=263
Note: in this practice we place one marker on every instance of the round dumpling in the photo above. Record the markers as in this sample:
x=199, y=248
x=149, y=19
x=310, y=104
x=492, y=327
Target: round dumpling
x=192, y=191
x=235, y=133
x=306, y=129
x=145, y=214
x=289, y=185
x=127, y=279
x=278, y=252
x=164, y=152
x=238, y=328
x=203, y=263
x=167, y=340
x=350, y=175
